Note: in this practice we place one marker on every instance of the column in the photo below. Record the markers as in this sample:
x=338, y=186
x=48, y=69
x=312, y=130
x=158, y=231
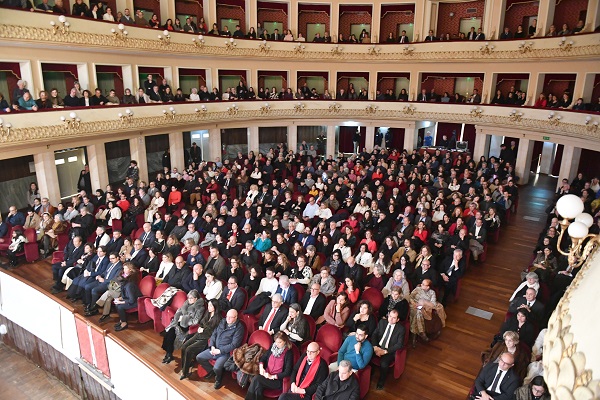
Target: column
x=46, y=175
x=167, y=10
x=489, y=88
x=253, y=141
x=494, y=18
x=210, y=12
x=522, y=167
x=584, y=85
x=251, y=15
x=546, y=17
x=593, y=15
x=569, y=163
x=370, y=138
x=177, y=150
x=293, y=17
x=330, y=141
x=410, y=136
x=421, y=21
x=96, y=154
x=548, y=152
x=293, y=78
x=137, y=148
x=413, y=86
x=335, y=22
x=376, y=24
x=482, y=143
x=214, y=143
x=535, y=87
x=371, y=90
x=292, y=137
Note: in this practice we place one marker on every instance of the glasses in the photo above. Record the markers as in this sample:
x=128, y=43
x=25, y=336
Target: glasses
x=231, y=283
x=312, y=351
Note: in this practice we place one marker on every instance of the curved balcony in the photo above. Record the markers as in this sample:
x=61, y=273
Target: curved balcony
x=65, y=125
x=36, y=30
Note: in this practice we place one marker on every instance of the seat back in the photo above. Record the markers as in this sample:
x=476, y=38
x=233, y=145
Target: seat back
x=147, y=286
x=160, y=289
x=178, y=300
x=299, y=290
x=330, y=336
x=312, y=327
x=373, y=296
x=30, y=235
x=261, y=337
x=117, y=224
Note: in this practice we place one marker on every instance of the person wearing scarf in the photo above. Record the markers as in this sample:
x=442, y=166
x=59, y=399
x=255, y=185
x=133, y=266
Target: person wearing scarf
x=307, y=375
x=275, y=364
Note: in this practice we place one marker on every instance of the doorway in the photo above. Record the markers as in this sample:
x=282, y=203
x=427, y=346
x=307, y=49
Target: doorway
x=467, y=23
x=69, y=164
x=313, y=29
x=202, y=138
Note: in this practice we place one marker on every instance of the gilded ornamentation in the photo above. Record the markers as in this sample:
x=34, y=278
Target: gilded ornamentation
x=264, y=109
x=371, y=109
x=486, y=48
x=564, y=367
x=299, y=107
x=334, y=107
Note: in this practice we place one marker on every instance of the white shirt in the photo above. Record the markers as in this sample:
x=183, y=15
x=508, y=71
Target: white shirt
x=268, y=285
x=497, y=388
x=309, y=305
x=387, y=342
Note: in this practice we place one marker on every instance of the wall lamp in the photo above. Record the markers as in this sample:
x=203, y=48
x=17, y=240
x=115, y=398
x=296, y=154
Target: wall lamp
x=553, y=118
x=62, y=26
x=233, y=110
x=564, y=45
x=409, y=109
x=120, y=34
x=515, y=116
x=4, y=128
x=199, y=43
x=201, y=111
x=407, y=50
x=336, y=50
x=165, y=38
x=486, y=48
x=230, y=44
x=525, y=47
x=334, y=107
x=127, y=117
x=476, y=112
x=591, y=126
x=299, y=48
x=264, y=47
x=74, y=122
x=299, y=107
x=373, y=51
x=170, y=113
x=371, y=109
x=264, y=109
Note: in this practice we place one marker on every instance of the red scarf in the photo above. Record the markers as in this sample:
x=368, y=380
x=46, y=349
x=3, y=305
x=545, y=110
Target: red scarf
x=310, y=375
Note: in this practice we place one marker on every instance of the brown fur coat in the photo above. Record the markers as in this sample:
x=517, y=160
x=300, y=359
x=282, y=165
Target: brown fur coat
x=247, y=357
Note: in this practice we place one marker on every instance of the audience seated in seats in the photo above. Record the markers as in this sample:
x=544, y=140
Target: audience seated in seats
x=356, y=348
x=388, y=338
x=339, y=385
x=423, y=304
x=177, y=332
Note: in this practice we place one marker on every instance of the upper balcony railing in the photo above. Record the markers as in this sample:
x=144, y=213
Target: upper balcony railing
x=53, y=29
x=67, y=125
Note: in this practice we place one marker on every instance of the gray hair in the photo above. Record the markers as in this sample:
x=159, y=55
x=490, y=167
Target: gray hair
x=277, y=297
x=346, y=364
x=532, y=275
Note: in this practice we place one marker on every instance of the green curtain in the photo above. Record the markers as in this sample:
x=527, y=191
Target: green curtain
x=4, y=89
x=55, y=80
x=106, y=82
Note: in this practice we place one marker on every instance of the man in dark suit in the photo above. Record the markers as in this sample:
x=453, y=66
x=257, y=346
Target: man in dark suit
x=506, y=34
x=387, y=339
x=334, y=233
x=403, y=38
x=249, y=255
x=314, y=302
x=288, y=292
x=232, y=297
x=425, y=271
x=194, y=218
x=529, y=302
x=477, y=237
x=306, y=238
x=497, y=381
x=471, y=35
x=405, y=230
x=431, y=37
x=273, y=315
x=115, y=243
x=138, y=255
x=452, y=269
x=97, y=287
x=307, y=374
x=73, y=252
x=480, y=35
x=276, y=35
x=148, y=237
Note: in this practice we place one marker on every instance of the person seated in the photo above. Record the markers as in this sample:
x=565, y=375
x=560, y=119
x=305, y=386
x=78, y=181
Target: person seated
x=497, y=381
x=510, y=344
x=190, y=313
x=112, y=98
x=213, y=287
x=275, y=365
x=26, y=102
x=356, y=349
x=327, y=282
x=227, y=336
x=363, y=316
x=520, y=323
x=295, y=325
x=95, y=286
x=15, y=247
x=395, y=301
x=349, y=287
x=179, y=274
x=72, y=253
x=536, y=389
x=273, y=315
x=98, y=99
x=388, y=338
x=423, y=302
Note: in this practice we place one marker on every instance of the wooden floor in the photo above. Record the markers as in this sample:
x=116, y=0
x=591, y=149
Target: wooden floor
x=21, y=379
x=442, y=369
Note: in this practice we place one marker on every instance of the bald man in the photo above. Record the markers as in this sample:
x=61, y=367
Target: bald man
x=308, y=373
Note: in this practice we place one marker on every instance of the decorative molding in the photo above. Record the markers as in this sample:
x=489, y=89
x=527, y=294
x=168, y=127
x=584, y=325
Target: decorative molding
x=349, y=53
x=188, y=117
x=565, y=369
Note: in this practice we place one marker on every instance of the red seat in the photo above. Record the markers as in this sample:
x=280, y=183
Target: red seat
x=58, y=256
x=117, y=225
x=139, y=232
x=364, y=380
x=139, y=220
x=398, y=364
x=312, y=328
x=147, y=286
x=176, y=303
x=202, y=372
x=147, y=311
x=7, y=239
x=330, y=337
x=261, y=337
x=299, y=290
x=31, y=249
x=63, y=240
x=373, y=296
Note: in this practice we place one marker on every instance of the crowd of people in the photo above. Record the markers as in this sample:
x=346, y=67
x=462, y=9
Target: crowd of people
x=265, y=228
